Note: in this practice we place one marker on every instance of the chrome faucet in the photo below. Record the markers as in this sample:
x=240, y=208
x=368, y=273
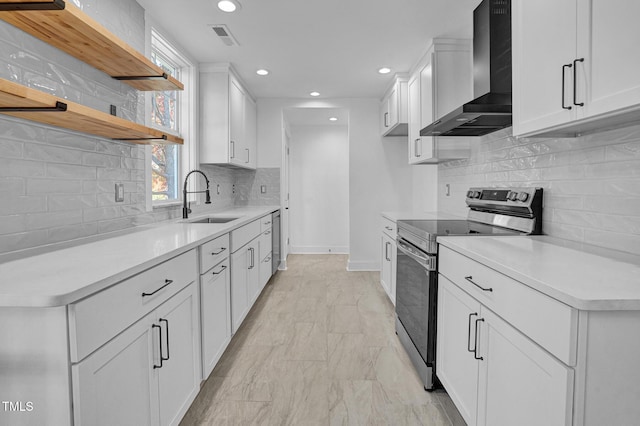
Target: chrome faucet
x=185, y=208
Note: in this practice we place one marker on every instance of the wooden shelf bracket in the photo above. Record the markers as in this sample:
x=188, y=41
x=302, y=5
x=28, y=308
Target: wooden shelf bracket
x=36, y=5
x=59, y=107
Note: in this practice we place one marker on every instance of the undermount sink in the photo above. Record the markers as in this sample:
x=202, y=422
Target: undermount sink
x=213, y=220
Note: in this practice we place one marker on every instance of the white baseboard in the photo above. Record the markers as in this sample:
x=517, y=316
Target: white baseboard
x=319, y=250
x=363, y=266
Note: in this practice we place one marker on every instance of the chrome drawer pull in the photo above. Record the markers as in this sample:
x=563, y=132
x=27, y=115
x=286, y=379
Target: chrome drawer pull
x=215, y=253
x=166, y=283
x=470, y=279
x=220, y=271
x=388, y=228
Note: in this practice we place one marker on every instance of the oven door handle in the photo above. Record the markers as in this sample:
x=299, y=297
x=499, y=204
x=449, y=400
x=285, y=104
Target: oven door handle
x=427, y=262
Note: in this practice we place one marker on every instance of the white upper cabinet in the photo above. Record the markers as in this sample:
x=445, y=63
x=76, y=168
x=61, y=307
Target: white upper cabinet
x=227, y=119
x=442, y=82
x=393, y=109
x=579, y=74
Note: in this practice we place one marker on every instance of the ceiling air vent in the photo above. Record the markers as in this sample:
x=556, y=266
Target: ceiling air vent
x=225, y=35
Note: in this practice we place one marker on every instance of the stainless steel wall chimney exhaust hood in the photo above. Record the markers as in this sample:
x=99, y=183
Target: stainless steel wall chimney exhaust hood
x=491, y=108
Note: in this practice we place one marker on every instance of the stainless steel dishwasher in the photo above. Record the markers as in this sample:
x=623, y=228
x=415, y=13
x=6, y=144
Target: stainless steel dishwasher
x=275, y=242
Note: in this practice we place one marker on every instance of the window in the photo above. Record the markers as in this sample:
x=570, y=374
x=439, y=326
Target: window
x=165, y=114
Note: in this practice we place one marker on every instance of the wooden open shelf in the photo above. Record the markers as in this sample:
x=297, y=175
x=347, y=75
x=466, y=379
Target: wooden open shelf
x=23, y=102
x=69, y=29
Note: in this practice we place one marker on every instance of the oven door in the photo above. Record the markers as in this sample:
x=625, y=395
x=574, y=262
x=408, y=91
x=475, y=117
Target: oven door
x=416, y=296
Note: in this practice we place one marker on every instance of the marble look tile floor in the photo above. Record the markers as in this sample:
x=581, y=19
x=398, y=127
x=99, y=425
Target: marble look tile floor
x=319, y=348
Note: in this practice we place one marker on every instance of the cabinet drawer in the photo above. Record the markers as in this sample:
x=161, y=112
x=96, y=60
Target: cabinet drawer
x=98, y=318
x=213, y=252
x=265, y=223
x=244, y=234
x=551, y=324
x=389, y=227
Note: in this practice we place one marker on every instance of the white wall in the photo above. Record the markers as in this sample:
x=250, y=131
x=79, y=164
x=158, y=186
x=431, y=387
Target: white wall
x=319, y=204
x=379, y=177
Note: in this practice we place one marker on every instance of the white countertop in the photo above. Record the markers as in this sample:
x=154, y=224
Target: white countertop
x=419, y=215
x=586, y=278
x=67, y=275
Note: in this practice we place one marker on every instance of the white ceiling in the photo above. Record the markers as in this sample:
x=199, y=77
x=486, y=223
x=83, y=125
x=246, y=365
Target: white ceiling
x=331, y=46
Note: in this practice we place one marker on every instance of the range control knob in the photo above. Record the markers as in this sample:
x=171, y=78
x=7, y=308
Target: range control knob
x=512, y=195
x=469, y=194
x=476, y=194
x=523, y=196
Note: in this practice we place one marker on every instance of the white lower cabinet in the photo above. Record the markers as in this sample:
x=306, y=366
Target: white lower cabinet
x=147, y=375
x=519, y=382
x=244, y=282
x=389, y=257
x=215, y=300
x=495, y=374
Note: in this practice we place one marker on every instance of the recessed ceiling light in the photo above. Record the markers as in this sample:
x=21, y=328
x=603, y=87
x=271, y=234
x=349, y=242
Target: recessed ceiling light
x=384, y=70
x=333, y=119
x=262, y=72
x=228, y=5
x=314, y=93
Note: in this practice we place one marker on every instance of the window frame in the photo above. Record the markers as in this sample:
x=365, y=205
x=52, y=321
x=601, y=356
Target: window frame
x=187, y=113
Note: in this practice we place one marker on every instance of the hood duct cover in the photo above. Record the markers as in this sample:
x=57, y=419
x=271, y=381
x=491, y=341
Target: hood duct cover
x=491, y=108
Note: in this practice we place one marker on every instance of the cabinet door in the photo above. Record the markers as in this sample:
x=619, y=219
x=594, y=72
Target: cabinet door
x=394, y=106
x=250, y=128
x=384, y=115
x=608, y=37
x=216, y=315
x=253, y=272
x=544, y=39
x=456, y=364
x=385, y=270
x=238, y=154
x=239, y=299
x=179, y=376
x=414, y=118
x=520, y=383
x=116, y=384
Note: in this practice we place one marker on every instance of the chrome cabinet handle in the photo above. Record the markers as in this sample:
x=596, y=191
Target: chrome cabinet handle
x=388, y=228
x=167, y=334
x=475, y=350
x=470, y=279
x=233, y=149
x=215, y=253
x=386, y=115
x=222, y=268
x=248, y=155
x=267, y=232
x=575, y=82
x=415, y=148
x=166, y=283
x=386, y=250
x=469, y=334
x=563, y=83
x=251, y=250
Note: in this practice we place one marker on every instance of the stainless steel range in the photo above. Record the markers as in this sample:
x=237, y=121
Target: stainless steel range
x=492, y=211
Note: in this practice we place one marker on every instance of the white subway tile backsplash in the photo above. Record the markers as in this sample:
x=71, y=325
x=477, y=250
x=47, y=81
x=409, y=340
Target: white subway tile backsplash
x=21, y=168
x=22, y=240
x=101, y=213
x=592, y=183
x=102, y=160
x=53, y=186
x=70, y=202
x=71, y=232
x=11, y=149
x=22, y=205
x=56, y=170
x=12, y=224
x=52, y=154
x=11, y=187
x=52, y=219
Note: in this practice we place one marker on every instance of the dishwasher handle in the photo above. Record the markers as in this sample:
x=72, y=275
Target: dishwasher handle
x=425, y=260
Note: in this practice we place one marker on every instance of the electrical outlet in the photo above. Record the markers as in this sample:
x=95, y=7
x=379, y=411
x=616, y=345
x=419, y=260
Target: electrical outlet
x=119, y=192
x=233, y=188
x=218, y=189
x=447, y=190
x=263, y=189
